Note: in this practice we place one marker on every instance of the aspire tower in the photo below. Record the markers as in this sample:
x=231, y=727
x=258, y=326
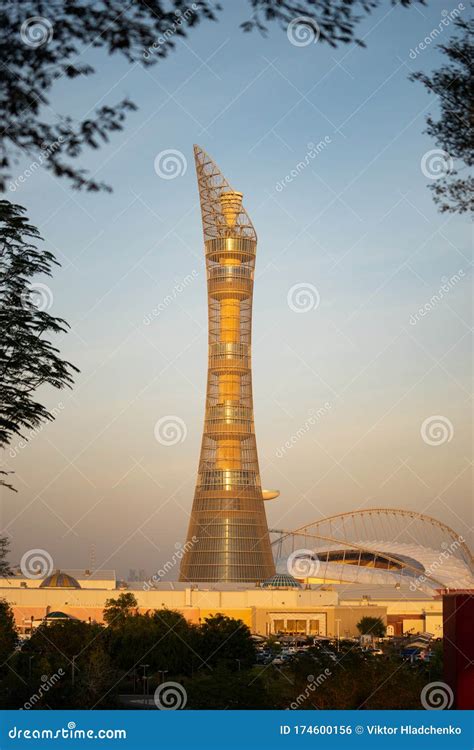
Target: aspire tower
x=228, y=536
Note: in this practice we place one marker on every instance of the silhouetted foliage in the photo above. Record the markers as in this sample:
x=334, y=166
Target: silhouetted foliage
x=8, y=633
x=371, y=626
x=162, y=639
x=96, y=680
x=64, y=664
x=224, y=639
x=453, y=131
x=28, y=360
x=436, y=663
x=73, y=664
x=61, y=640
x=118, y=610
x=223, y=689
x=334, y=21
x=347, y=679
x=41, y=43
x=5, y=569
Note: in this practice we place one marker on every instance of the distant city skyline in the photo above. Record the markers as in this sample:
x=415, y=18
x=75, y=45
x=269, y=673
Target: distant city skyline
x=360, y=399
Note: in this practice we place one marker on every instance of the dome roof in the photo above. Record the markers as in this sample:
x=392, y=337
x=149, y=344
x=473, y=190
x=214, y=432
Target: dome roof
x=59, y=616
x=281, y=581
x=58, y=580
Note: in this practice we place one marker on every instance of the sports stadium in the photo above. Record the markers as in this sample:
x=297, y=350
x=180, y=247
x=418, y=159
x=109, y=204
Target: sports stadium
x=379, y=546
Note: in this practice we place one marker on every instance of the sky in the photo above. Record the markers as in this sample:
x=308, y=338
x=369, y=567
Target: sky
x=360, y=401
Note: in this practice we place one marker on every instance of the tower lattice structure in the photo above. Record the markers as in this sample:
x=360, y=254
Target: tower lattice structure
x=228, y=536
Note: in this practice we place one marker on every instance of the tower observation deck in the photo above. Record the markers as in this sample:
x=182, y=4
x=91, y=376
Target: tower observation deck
x=228, y=536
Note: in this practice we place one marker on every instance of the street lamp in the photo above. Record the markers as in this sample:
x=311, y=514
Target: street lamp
x=73, y=669
x=338, y=621
x=162, y=673
x=145, y=679
x=134, y=680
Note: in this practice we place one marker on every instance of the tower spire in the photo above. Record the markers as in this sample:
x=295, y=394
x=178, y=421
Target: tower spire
x=213, y=187
x=228, y=536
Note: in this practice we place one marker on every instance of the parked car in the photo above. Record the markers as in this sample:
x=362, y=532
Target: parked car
x=278, y=661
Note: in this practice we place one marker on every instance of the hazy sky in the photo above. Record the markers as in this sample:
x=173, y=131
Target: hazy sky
x=357, y=224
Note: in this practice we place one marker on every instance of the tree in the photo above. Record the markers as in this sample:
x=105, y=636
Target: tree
x=72, y=655
x=162, y=639
x=118, y=610
x=60, y=640
x=5, y=569
x=453, y=131
x=96, y=678
x=8, y=631
x=436, y=663
x=225, y=639
x=37, y=50
x=333, y=21
x=223, y=689
x=354, y=680
x=28, y=359
x=371, y=626
x=178, y=651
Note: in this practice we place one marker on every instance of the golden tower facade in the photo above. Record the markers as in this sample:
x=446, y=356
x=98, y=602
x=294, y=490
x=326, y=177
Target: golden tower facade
x=228, y=535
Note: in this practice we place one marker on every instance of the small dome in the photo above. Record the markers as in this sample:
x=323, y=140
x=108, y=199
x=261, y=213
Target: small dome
x=59, y=616
x=58, y=580
x=281, y=581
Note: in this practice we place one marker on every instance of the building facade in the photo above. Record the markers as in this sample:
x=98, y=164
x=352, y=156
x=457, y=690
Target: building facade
x=324, y=610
